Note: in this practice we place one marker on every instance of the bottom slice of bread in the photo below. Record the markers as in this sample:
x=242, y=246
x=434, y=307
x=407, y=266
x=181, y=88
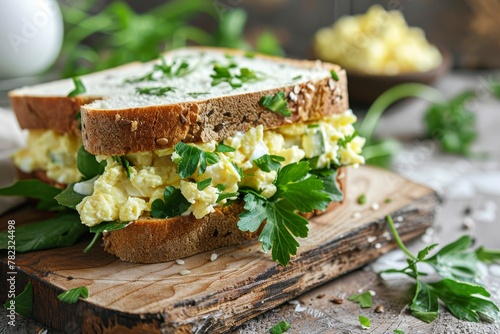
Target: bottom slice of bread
x=160, y=240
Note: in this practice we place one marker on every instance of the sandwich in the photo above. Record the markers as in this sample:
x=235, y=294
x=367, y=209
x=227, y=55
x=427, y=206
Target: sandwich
x=200, y=149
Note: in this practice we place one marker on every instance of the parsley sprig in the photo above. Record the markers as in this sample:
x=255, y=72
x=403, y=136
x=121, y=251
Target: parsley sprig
x=297, y=190
x=459, y=289
x=177, y=68
x=191, y=158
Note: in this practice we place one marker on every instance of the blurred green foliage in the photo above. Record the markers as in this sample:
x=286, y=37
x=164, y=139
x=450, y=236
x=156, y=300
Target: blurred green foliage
x=117, y=35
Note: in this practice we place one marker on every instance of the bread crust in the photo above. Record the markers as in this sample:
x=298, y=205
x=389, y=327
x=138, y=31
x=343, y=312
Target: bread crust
x=161, y=240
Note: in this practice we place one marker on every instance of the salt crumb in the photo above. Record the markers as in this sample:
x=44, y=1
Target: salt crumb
x=213, y=257
x=360, y=290
x=399, y=219
x=375, y=206
x=185, y=272
x=378, y=245
x=294, y=302
x=356, y=215
x=426, y=238
x=495, y=270
x=300, y=308
x=468, y=223
x=386, y=235
x=373, y=293
x=429, y=231
x=180, y=261
x=371, y=239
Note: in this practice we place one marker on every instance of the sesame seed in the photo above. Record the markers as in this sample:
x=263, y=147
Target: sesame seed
x=375, y=206
x=296, y=89
x=378, y=245
x=213, y=257
x=185, y=272
x=180, y=261
x=294, y=302
x=311, y=87
x=371, y=239
x=162, y=141
x=293, y=96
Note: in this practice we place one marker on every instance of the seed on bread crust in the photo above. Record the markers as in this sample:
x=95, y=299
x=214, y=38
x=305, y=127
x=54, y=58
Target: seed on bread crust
x=162, y=141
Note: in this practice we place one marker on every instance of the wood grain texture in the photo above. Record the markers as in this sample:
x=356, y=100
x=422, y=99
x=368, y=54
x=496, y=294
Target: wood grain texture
x=242, y=283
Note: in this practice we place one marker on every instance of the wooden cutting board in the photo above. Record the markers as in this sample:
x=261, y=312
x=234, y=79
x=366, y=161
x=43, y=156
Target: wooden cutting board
x=217, y=296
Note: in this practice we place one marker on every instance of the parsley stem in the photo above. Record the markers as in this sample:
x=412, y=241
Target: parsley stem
x=92, y=243
x=392, y=95
x=398, y=239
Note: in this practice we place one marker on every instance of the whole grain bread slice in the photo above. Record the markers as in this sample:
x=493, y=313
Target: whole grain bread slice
x=160, y=240
x=116, y=120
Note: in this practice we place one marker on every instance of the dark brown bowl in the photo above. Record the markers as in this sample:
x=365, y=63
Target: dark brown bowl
x=365, y=88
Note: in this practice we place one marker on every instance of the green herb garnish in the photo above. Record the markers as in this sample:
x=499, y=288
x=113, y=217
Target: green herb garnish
x=398, y=331
x=158, y=91
x=23, y=302
x=329, y=178
x=296, y=190
x=276, y=103
x=388, y=200
x=334, y=75
x=197, y=94
x=178, y=68
x=459, y=288
x=280, y=327
x=87, y=164
x=124, y=162
x=203, y=184
x=268, y=162
x=72, y=296
x=69, y=197
x=362, y=199
x=298, y=77
x=104, y=227
x=79, y=87
x=34, y=189
x=224, y=148
x=225, y=196
x=60, y=231
x=174, y=204
x=342, y=142
x=452, y=124
x=364, y=322
x=364, y=299
x=192, y=158
x=229, y=74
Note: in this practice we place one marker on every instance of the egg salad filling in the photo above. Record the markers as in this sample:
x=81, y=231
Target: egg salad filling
x=52, y=152
x=126, y=192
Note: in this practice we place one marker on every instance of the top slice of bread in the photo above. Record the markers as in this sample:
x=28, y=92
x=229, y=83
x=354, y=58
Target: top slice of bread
x=117, y=120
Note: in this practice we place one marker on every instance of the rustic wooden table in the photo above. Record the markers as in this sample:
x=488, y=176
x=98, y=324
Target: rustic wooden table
x=464, y=184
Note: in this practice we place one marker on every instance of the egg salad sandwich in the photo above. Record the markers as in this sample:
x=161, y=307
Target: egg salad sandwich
x=200, y=149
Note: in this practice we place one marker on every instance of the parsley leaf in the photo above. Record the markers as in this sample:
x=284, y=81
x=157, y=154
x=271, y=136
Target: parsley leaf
x=465, y=299
x=329, y=178
x=296, y=190
x=23, y=302
x=291, y=182
x=342, y=142
x=178, y=68
x=60, y=231
x=276, y=103
x=158, y=91
x=268, y=162
x=364, y=299
x=72, y=296
x=79, y=87
x=174, y=205
x=364, y=322
x=34, y=189
x=222, y=148
x=452, y=124
x=191, y=158
x=399, y=331
x=488, y=255
x=280, y=327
